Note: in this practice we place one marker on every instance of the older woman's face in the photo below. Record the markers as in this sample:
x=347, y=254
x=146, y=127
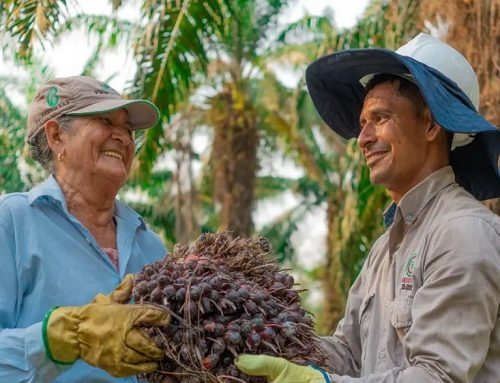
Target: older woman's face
x=100, y=146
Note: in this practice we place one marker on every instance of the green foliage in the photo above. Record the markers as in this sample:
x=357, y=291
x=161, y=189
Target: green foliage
x=269, y=186
x=30, y=21
x=11, y=142
x=17, y=171
x=336, y=167
x=171, y=52
x=280, y=231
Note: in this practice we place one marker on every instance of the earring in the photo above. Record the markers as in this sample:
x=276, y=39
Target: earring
x=60, y=157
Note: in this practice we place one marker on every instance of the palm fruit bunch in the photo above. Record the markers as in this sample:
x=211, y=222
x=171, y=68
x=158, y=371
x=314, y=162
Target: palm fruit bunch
x=226, y=296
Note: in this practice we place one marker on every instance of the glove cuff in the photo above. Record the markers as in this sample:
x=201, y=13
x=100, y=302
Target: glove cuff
x=323, y=372
x=59, y=332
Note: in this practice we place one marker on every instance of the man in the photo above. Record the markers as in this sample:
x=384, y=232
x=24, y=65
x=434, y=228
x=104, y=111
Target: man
x=425, y=307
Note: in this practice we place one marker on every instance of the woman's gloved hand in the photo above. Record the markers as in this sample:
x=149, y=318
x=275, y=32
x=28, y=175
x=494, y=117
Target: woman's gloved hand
x=105, y=335
x=279, y=370
x=121, y=294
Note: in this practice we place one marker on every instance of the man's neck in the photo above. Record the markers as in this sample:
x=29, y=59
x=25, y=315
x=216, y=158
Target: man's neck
x=397, y=195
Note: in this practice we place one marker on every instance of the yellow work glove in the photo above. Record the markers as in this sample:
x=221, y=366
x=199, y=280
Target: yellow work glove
x=121, y=294
x=105, y=335
x=279, y=370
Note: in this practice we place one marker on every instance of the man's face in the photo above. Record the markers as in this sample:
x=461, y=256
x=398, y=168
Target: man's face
x=392, y=139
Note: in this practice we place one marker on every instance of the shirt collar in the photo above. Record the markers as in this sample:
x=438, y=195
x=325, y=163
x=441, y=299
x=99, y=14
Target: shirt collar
x=415, y=200
x=389, y=214
x=49, y=190
x=126, y=213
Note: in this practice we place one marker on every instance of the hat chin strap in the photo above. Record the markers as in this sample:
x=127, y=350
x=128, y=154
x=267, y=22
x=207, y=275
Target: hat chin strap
x=461, y=139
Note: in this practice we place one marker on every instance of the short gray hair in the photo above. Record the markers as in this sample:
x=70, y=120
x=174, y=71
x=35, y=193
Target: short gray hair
x=40, y=150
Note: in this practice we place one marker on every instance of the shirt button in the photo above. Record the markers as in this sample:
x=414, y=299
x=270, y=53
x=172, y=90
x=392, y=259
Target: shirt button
x=381, y=354
x=409, y=217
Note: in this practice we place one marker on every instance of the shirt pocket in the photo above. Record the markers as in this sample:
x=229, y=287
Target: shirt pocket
x=400, y=316
x=365, y=317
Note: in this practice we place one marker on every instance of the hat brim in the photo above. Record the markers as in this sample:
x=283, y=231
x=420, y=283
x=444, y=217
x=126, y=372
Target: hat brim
x=142, y=114
x=334, y=85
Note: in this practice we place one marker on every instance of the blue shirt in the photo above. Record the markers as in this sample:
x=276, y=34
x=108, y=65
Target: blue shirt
x=48, y=258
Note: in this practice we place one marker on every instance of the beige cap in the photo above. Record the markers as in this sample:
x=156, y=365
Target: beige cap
x=84, y=96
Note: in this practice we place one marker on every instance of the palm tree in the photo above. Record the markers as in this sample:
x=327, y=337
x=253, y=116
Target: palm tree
x=353, y=205
x=171, y=41
x=172, y=61
x=25, y=23
x=233, y=112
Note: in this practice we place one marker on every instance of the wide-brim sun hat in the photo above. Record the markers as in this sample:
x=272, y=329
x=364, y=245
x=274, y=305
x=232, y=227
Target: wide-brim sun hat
x=336, y=86
x=85, y=96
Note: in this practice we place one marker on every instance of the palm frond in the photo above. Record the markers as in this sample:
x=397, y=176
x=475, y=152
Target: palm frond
x=168, y=64
x=31, y=21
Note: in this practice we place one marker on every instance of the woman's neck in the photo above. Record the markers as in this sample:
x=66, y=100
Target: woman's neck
x=94, y=210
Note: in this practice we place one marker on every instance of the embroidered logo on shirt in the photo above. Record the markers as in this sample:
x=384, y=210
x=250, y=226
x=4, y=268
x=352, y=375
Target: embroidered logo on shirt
x=407, y=279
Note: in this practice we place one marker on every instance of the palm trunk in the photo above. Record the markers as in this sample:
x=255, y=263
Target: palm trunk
x=186, y=202
x=334, y=298
x=234, y=161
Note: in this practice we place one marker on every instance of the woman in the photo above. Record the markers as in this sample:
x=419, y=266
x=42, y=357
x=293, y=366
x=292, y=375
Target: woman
x=68, y=239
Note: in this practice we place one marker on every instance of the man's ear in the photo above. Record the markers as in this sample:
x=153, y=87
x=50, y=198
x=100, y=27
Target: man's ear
x=432, y=129
x=53, y=133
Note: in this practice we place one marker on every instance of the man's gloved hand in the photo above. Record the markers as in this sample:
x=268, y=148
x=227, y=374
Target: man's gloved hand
x=279, y=370
x=121, y=294
x=105, y=335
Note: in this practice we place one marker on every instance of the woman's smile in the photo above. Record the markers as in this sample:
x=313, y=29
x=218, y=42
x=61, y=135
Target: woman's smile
x=113, y=154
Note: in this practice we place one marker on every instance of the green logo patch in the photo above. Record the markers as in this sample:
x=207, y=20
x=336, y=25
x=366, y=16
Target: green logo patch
x=52, y=96
x=410, y=265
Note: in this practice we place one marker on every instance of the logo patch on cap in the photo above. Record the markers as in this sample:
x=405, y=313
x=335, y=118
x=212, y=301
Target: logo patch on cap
x=52, y=96
x=105, y=89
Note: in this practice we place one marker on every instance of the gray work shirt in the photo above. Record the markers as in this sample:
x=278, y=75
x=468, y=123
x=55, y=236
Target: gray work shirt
x=425, y=307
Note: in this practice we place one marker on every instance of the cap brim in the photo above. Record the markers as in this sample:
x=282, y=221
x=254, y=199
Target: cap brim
x=334, y=85
x=142, y=114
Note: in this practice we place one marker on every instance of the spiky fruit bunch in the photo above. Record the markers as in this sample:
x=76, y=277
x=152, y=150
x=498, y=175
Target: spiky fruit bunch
x=227, y=296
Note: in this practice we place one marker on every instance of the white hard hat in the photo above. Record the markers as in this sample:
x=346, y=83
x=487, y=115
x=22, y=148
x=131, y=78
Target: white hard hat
x=450, y=62
x=438, y=55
